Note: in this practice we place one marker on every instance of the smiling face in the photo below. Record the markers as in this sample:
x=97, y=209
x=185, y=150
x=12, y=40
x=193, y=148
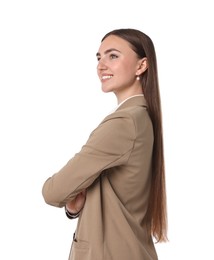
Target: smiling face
x=118, y=68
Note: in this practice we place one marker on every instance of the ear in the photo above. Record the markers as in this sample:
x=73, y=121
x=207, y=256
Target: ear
x=142, y=66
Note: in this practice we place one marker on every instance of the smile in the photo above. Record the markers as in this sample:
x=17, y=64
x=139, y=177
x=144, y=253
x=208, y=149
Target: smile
x=106, y=77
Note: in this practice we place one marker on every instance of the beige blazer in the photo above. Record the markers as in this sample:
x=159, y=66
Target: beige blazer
x=115, y=167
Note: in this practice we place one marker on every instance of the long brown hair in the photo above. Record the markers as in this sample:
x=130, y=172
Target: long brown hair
x=143, y=46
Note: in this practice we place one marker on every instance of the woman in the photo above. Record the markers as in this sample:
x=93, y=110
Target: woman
x=116, y=183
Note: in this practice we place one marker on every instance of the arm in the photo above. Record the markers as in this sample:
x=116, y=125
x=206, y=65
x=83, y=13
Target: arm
x=109, y=145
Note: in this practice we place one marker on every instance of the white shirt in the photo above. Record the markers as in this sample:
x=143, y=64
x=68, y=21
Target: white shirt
x=125, y=101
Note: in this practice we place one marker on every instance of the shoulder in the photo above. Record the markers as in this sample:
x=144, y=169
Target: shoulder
x=130, y=115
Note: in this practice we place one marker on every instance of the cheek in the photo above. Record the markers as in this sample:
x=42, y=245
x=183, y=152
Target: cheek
x=129, y=71
x=130, y=66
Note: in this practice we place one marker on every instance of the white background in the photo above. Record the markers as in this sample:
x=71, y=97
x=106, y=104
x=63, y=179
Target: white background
x=50, y=100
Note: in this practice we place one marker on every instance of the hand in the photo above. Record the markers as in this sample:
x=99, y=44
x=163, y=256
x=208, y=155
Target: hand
x=76, y=204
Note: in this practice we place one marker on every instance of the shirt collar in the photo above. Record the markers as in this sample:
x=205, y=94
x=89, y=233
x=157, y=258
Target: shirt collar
x=139, y=95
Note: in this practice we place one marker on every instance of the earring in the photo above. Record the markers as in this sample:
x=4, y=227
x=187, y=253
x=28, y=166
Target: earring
x=137, y=78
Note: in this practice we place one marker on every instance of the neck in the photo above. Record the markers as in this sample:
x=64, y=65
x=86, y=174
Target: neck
x=121, y=98
x=119, y=103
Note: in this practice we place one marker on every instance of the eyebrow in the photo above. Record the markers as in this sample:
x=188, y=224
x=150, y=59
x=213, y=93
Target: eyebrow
x=107, y=51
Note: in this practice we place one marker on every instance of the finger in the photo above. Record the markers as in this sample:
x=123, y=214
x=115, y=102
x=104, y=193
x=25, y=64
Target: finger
x=71, y=206
x=79, y=202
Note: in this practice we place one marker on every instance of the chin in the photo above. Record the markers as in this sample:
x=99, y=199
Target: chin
x=106, y=90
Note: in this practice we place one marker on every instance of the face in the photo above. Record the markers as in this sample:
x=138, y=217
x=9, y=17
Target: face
x=118, y=66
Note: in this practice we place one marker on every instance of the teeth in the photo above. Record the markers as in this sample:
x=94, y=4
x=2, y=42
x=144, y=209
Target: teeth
x=107, y=77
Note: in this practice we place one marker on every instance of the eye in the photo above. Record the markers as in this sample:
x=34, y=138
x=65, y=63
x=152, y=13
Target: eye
x=113, y=56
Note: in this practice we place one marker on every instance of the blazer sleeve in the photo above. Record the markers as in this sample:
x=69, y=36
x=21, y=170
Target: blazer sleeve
x=109, y=145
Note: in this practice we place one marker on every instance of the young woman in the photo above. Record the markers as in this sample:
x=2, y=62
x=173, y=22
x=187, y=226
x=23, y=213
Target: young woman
x=116, y=183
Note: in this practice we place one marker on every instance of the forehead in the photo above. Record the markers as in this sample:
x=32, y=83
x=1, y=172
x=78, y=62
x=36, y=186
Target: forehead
x=114, y=42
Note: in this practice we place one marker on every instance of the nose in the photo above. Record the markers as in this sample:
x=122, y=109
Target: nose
x=101, y=65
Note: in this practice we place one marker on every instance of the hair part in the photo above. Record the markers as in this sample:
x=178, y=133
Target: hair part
x=156, y=215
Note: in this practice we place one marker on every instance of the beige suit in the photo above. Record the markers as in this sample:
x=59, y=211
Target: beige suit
x=115, y=167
